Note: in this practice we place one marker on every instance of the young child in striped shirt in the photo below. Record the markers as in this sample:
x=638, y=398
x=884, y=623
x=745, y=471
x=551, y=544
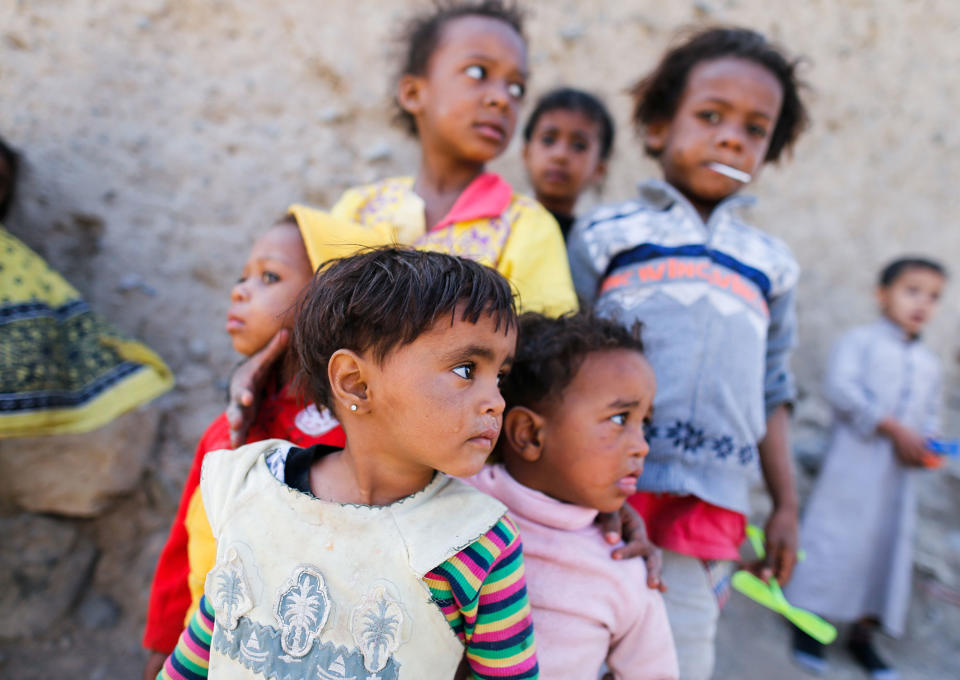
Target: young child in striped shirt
x=375, y=559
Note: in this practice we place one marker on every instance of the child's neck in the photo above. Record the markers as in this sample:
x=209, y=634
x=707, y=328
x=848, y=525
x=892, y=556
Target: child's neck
x=361, y=475
x=910, y=335
x=558, y=206
x=440, y=181
x=703, y=208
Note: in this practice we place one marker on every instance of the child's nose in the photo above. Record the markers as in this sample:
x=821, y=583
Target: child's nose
x=495, y=403
x=729, y=137
x=239, y=292
x=497, y=94
x=558, y=152
x=641, y=447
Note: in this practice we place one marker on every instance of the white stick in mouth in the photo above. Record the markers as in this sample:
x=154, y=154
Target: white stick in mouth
x=732, y=173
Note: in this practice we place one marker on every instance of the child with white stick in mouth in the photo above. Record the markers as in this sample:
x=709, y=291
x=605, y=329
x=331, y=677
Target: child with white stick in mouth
x=716, y=297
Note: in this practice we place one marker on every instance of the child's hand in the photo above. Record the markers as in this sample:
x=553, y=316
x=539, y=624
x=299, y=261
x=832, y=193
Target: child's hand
x=908, y=445
x=247, y=383
x=780, y=546
x=627, y=525
x=782, y=540
x=153, y=665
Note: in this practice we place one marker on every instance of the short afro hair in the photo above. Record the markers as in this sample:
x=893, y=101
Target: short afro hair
x=424, y=32
x=898, y=267
x=657, y=95
x=550, y=351
x=578, y=101
x=384, y=298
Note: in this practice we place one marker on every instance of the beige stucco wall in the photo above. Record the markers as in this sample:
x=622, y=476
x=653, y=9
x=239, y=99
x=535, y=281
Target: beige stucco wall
x=161, y=135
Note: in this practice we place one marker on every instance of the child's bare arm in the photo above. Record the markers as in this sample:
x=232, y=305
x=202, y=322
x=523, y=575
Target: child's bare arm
x=781, y=527
x=153, y=665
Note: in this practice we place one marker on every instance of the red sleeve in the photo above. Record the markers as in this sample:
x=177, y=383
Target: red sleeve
x=170, y=594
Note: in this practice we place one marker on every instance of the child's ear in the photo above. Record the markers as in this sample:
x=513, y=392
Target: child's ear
x=410, y=93
x=881, y=296
x=655, y=136
x=523, y=433
x=346, y=371
x=600, y=173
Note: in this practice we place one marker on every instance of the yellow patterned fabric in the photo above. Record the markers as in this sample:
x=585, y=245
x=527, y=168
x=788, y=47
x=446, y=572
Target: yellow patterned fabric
x=63, y=368
x=523, y=243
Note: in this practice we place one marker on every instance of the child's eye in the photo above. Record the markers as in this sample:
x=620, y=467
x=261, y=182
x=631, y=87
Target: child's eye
x=476, y=72
x=269, y=277
x=465, y=371
x=619, y=418
x=757, y=131
x=712, y=117
x=580, y=146
x=548, y=139
x=516, y=90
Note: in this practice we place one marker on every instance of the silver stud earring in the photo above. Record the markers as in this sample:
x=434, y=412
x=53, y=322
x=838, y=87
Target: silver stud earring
x=353, y=407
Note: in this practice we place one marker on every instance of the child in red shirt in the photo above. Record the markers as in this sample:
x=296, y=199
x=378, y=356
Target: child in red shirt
x=262, y=303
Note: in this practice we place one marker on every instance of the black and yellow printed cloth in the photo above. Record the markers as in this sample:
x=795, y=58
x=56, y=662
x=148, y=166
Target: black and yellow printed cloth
x=63, y=369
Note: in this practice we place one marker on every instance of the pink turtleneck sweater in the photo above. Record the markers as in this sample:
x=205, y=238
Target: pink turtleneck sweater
x=587, y=607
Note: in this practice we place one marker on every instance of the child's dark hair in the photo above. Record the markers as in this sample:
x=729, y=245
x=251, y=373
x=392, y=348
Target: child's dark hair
x=550, y=351
x=12, y=160
x=570, y=99
x=657, y=95
x=895, y=269
x=423, y=33
x=385, y=298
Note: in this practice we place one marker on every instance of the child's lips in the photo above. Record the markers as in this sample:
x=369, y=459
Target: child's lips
x=234, y=324
x=487, y=438
x=556, y=176
x=628, y=484
x=492, y=131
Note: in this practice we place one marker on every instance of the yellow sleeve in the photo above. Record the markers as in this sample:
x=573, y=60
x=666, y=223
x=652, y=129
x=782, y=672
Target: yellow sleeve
x=201, y=550
x=534, y=259
x=327, y=236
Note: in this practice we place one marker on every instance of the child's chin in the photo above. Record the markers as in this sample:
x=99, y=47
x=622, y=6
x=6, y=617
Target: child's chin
x=611, y=506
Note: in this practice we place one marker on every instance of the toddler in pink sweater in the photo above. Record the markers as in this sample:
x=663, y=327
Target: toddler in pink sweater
x=572, y=445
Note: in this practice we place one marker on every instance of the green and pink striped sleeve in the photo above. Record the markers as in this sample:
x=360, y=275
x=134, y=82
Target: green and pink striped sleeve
x=483, y=594
x=191, y=658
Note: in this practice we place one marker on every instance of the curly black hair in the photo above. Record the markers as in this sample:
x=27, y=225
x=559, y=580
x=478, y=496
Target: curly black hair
x=423, y=33
x=11, y=158
x=550, y=351
x=896, y=268
x=383, y=298
x=570, y=99
x=657, y=95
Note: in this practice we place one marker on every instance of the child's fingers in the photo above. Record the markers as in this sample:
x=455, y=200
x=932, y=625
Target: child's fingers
x=786, y=561
x=610, y=526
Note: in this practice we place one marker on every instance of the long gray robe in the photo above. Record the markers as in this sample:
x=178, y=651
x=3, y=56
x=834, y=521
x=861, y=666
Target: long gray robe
x=858, y=525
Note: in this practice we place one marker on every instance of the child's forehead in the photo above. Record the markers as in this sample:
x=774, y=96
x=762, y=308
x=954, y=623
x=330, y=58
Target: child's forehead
x=478, y=35
x=731, y=77
x=572, y=120
x=924, y=276
x=615, y=373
